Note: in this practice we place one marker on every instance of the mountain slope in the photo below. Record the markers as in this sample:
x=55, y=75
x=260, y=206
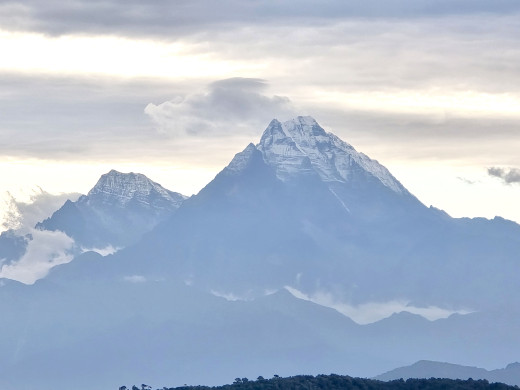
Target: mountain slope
x=117, y=211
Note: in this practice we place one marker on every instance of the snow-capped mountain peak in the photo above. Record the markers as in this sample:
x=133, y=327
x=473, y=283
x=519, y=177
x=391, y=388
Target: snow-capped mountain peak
x=118, y=188
x=241, y=160
x=302, y=147
x=116, y=212
x=282, y=152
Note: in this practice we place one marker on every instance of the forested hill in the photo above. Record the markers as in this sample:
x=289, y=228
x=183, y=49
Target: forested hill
x=340, y=382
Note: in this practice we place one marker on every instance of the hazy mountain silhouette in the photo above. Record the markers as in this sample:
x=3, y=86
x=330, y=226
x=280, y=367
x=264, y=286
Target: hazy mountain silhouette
x=427, y=369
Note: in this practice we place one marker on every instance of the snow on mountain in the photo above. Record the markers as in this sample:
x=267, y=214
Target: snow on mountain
x=241, y=160
x=119, y=189
x=301, y=147
x=116, y=212
x=283, y=154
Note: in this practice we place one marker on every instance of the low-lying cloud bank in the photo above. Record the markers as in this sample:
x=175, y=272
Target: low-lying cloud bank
x=370, y=312
x=45, y=249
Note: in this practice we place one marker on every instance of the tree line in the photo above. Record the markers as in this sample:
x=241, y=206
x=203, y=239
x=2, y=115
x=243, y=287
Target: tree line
x=342, y=382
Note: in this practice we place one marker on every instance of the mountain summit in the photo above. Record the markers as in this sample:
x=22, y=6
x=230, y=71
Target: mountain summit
x=122, y=189
x=117, y=211
x=301, y=151
x=300, y=146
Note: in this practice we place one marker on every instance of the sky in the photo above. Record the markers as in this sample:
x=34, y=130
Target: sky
x=173, y=89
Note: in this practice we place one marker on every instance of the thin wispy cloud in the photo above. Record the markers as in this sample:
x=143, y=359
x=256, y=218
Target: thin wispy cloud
x=370, y=312
x=23, y=216
x=466, y=180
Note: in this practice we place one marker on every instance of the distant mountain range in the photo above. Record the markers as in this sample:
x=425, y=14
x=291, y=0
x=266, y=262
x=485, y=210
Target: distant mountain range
x=208, y=288
x=428, y=369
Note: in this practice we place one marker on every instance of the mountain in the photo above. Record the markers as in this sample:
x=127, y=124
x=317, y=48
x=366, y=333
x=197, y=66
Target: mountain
x=210, y=292
x=304, y=209
x=116, y=212
x=428, y=369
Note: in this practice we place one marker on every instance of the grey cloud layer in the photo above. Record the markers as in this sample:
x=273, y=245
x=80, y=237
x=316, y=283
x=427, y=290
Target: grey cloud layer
x=509, y=175
x=75, y=118
x=90, y=118
x=231, y=106
x=462, y=53
x=174, y=18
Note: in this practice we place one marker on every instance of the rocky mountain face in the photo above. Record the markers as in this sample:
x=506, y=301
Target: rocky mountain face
x=117, y=211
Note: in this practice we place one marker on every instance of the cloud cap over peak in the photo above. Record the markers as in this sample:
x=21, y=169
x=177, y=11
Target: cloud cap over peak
x=228, y=106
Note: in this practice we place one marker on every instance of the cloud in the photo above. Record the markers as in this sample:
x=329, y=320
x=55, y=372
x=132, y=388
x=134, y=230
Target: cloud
x=409, y=107
x=46, y=250
x=173, y=19
x=466, y=180
x=65, y=117
x=508, y=175
x=227, y=107
x=22, y=216
x=231, y=296
x=135, y=279
x=108, y=250
x=373, y=311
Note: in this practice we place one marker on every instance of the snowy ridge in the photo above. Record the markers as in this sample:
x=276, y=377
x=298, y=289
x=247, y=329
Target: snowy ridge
x=301, y=146
x=116, y=212
x=281, y=152
x=241, y=160
x=121, y=188
x=369, y=165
